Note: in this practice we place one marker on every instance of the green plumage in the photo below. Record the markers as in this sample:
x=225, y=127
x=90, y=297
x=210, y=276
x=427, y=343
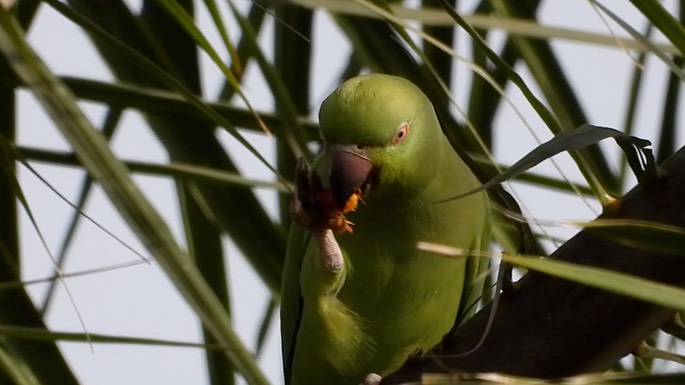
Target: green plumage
x=389, y=300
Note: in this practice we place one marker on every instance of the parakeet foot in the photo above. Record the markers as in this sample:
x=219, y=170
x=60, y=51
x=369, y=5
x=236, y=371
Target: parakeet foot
x=301, y=207
x=372, y=379
x=309, y=210
x=329, y=250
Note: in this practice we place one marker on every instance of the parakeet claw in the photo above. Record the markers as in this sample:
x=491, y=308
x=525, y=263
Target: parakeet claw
x=308, y=209
x=372, y=379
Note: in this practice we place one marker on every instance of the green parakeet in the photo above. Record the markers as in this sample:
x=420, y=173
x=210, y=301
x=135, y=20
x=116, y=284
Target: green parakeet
x=359, y=297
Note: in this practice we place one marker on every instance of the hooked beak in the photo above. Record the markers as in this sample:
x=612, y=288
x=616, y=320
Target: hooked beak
x=350, y=169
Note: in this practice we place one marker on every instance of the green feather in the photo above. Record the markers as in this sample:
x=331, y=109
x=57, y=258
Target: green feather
x=390, y=300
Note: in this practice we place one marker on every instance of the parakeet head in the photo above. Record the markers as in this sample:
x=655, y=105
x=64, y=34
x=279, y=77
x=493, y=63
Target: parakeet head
x=380, y=133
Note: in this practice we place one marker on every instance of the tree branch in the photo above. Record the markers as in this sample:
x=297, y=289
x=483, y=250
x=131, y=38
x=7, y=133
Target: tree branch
x=550, y=327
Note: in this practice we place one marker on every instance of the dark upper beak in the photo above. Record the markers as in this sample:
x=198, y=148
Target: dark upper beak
x=350, y=167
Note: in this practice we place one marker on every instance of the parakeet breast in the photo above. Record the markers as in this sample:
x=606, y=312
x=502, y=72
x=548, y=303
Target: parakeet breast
x=406, y=299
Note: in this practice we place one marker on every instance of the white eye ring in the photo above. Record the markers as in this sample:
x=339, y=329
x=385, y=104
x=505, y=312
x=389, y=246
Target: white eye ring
x=401, y=133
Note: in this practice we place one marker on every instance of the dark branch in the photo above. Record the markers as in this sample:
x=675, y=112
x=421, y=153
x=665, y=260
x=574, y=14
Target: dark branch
x=550, y=327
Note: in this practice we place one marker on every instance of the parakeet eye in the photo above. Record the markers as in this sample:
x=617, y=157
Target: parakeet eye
x=401, y=133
